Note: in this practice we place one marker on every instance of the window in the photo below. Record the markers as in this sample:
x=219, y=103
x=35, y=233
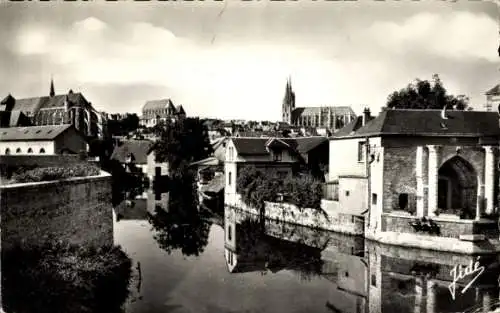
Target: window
x=229, y=237
x=278, y=156
x=30, y=150
x=7, y=151
x=42, y=150
x=18, y=150
x=229, y=178
x=374, y=198
x=374, y=280
x=347, y=193
x=361, y=151
x=403, y=201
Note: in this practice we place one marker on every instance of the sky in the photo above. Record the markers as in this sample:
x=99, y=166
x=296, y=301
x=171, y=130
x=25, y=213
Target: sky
x=231, y=59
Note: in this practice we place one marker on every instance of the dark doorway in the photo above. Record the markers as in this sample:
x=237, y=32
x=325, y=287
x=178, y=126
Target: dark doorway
x=403, y=201
x=457, y=187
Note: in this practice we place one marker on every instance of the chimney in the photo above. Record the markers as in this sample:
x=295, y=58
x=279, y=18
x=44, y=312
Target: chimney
x=366, y=116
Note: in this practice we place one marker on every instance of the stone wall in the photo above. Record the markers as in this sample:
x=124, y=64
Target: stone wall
x=451, y=228
x=77, y=210
x=399, y=177
x=321, y=219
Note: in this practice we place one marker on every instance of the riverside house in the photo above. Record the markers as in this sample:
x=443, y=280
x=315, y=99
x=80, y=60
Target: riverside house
x=423, y=178
x=49, y=139
x=133, y=155
x=280, y=155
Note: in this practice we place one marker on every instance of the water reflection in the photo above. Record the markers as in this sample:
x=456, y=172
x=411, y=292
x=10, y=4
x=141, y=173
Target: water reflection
x=241, y=263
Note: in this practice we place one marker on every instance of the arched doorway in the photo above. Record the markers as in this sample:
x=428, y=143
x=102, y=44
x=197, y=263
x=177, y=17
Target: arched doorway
x=457, y=188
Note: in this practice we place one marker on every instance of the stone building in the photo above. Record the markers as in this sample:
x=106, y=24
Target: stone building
x=492, y=98
x=405, y=165
x=331, y=117
x=155, y=111
x=41, y=140
x=71, y=108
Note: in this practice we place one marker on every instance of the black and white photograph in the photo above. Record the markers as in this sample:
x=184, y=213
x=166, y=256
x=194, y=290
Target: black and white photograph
x=231, y=156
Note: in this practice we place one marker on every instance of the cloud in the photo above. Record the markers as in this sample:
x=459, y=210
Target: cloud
x=247, y=79
x=459, y=35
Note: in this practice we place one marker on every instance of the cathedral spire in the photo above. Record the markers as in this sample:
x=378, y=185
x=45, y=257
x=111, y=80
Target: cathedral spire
x=52, y=91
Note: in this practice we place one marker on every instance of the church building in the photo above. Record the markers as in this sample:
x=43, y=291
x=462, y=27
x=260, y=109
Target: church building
x=331, y=117
x=71, y=108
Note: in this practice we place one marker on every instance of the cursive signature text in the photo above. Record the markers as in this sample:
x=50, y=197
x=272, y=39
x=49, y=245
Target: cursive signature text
x=460, y=271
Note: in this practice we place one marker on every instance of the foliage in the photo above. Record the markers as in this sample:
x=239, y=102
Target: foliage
x=256, y=187
x=60, y=278
x=101, y=148
x=124, y=126
x=182, y=227
x=56, y=173
x=182, y=142
x=426, y=95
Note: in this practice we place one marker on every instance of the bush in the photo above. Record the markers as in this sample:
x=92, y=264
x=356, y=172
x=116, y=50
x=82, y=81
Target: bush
x=256, y=187
x=55, y=173
x=62, y=278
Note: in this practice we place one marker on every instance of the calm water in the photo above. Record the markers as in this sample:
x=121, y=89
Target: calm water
x=232, y=262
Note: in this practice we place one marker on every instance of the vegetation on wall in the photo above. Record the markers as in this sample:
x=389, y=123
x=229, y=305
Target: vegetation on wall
x=59, y=278
x=256, y=187
x=39, y=174
x=426, y=95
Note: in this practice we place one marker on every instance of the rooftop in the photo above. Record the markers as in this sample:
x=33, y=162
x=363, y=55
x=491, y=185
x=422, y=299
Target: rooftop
x=337, y=110
x=137, y=148
x=45, y=102
x=425, y=123
x=257, y=146
x=48, y=132
x=158, y=104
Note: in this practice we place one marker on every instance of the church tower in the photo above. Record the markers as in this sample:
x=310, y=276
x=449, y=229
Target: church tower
x=288, y=103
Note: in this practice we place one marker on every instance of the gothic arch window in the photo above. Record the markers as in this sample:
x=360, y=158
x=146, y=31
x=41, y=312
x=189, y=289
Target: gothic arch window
x=42, y=150
x=30, y=150
x=7, y=151
x=18, y=150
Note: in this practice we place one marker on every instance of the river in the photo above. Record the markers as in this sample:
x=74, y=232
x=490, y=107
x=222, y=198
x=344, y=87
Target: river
x=199, y=262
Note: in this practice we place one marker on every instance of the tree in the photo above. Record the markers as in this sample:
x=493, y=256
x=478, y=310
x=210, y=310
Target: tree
x=426, y=95
x=182, y=142
x=124, y=126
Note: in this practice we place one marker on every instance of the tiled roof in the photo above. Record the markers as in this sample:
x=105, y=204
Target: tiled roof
x=215, y=185
x=428, y=123
x=48, y=132
x=158, y=104
x=257, y=146
x=349, y=128
x=337, y=110
x=33, y=104
x=494, y=91
x=138, y=148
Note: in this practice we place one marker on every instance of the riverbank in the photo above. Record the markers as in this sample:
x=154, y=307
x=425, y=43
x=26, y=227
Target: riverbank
x=468, y=237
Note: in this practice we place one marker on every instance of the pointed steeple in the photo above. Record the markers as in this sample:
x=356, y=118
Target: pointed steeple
x=52, y=90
